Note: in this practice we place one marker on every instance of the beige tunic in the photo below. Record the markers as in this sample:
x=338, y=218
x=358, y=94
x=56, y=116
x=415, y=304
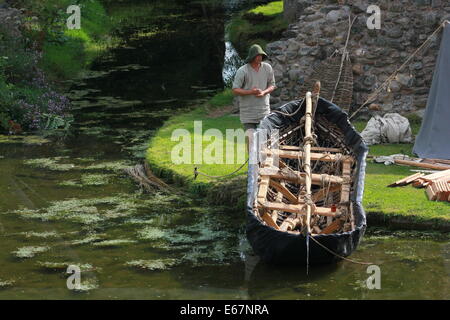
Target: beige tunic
x=251, y=108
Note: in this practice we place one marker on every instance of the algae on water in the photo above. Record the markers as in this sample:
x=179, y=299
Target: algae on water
x=158, y=264
x=62, y=266
x=113, y=243
x=50, y=164
x=6, y=283
x=29, y=252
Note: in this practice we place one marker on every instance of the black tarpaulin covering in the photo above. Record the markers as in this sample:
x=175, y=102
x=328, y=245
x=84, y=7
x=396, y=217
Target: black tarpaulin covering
x=433, y=138
x=279, y=247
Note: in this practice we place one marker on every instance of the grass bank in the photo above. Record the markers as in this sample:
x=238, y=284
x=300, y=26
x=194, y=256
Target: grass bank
x=399, y=208
x=260, y=25
x=207, y=125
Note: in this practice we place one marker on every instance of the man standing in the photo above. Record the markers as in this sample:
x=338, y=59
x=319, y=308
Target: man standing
x=253, y=84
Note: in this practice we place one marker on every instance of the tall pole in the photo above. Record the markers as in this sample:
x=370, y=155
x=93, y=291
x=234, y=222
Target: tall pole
x=307, y=164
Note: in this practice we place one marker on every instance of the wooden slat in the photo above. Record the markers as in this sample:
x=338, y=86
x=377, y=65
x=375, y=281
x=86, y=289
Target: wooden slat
x=290, y=222
x=430, y=193
x=320, y=195
x=269, y=220
x=284, y=191
x=407, y=180
x=326, y=157
x=345, y=189
x=319, y=149
x=279, y=198
x=333, y=227
x=297, y=208
x=437, y=175
x=264, y=183
x=317, y=179
x=422, y=165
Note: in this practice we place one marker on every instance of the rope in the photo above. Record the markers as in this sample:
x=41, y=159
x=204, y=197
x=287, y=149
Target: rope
x=344, y=55
x=288, y=114
x=388, y=80
x=196, y=172
x=339, y=256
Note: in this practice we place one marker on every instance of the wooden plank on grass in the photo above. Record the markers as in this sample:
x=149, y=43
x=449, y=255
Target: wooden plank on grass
x=407, y=180
x=422, y=165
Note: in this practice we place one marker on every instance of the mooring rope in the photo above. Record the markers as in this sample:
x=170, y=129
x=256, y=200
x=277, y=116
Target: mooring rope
x=339, y=256
x=372, y=97
x=344, y=55
x=197, y=172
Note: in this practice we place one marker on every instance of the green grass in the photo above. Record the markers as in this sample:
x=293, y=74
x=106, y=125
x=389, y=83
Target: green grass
x=404, y=201
x=270, y=9
x=222, y=99
x=159, y=153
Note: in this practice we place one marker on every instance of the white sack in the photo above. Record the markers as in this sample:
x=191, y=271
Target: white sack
x=392, y=128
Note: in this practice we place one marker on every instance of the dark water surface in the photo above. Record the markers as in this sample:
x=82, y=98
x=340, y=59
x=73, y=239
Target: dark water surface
x=69, y=202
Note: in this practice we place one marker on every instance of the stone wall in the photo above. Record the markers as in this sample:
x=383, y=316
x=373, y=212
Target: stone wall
x=321, y=28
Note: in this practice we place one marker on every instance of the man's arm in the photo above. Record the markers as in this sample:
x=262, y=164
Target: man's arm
x=269, y=90
x=243, y=92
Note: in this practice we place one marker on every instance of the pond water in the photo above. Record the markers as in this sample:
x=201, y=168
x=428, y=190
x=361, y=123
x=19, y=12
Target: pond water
x=69, y=202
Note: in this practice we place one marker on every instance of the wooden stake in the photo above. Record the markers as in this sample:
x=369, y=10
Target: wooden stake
x=307, y=163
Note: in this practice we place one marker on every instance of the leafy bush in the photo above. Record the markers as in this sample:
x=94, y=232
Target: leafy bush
x=25, y=96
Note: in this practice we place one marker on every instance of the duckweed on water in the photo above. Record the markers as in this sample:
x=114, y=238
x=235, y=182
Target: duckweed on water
x=113, y=243
x=89, y=239
x=110, y=166
x=6, y=283
x=84, y=211
x=23, y=139
x=404, y=256
x=159, y=264
x=29, y=252
x=151, y=233
x=50, y=164
x=89, y=180
x=87, y=285
x=62, y=266
x=44, y=235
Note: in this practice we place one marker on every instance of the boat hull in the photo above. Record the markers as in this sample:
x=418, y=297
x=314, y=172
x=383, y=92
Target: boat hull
x=274, y=246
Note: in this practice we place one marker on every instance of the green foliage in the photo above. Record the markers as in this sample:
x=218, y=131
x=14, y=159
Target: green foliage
x=68, y=52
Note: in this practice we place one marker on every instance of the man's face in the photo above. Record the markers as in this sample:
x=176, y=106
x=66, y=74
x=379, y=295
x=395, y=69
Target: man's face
x=258, y=58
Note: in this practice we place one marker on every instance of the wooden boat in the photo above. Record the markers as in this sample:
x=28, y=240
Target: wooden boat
x=305, y=184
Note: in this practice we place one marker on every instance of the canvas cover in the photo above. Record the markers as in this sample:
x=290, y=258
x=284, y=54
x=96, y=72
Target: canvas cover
x=433, y=139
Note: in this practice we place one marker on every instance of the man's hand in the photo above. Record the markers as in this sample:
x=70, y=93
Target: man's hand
x=261, y=93
x=257, y=92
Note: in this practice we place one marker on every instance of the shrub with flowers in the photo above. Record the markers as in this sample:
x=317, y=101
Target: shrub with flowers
x=26, y=97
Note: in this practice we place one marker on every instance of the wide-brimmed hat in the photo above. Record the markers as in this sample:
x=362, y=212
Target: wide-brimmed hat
x=254, y=51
